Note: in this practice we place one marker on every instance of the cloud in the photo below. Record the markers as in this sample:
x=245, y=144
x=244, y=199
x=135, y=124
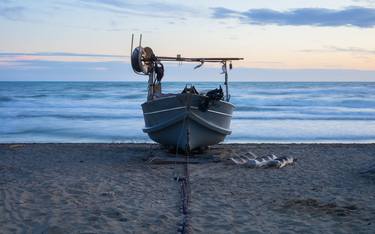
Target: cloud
x=221, y=12
x=12, y=12
x=353, y=50
x=144, y=6
x=44, y=70
x=362, y=17
x=368, y=2
x=115, y=3
x=61, y=54
x=39, y=70
x=146, y=9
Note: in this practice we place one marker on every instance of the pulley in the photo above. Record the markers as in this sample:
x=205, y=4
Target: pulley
x=142, y=60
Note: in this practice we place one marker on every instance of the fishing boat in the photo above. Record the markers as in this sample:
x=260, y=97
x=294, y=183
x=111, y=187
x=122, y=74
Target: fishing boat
x=188, y=120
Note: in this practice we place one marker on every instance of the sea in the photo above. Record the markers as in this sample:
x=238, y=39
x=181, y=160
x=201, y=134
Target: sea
x=110, y=112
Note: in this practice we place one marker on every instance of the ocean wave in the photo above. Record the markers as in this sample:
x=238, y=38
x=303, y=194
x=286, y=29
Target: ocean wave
x=327, y=118
x=108, y=111
x=132, y=96
x=5, y=99
x=357, y=103
x=79, y=117
x=241, y=108
x=32, y=96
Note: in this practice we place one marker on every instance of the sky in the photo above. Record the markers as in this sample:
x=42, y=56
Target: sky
x=89, y=40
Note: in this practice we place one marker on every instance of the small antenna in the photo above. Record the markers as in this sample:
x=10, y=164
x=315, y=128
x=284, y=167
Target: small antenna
x=131, y=49
x=140, y=40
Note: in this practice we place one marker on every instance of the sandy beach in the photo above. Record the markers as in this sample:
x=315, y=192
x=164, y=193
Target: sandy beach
x=112, y=188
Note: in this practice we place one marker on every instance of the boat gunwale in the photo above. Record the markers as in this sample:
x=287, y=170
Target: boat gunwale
x=184, y=107
x=176, y=95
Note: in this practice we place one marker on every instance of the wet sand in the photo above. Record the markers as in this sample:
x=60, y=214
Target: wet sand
x=111, y=188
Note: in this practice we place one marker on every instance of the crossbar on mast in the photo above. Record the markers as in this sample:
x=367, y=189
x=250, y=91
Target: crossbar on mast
x=224, y=61
x=183, y=59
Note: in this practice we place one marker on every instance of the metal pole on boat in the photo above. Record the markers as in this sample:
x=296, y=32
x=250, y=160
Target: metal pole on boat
x=131, y=48
x=227, y=96
x=150, y=85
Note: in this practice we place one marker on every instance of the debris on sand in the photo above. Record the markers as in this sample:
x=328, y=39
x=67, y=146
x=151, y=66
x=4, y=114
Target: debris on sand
x=271, y=161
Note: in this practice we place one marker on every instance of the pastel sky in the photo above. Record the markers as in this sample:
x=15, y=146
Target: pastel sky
x=300, y=40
